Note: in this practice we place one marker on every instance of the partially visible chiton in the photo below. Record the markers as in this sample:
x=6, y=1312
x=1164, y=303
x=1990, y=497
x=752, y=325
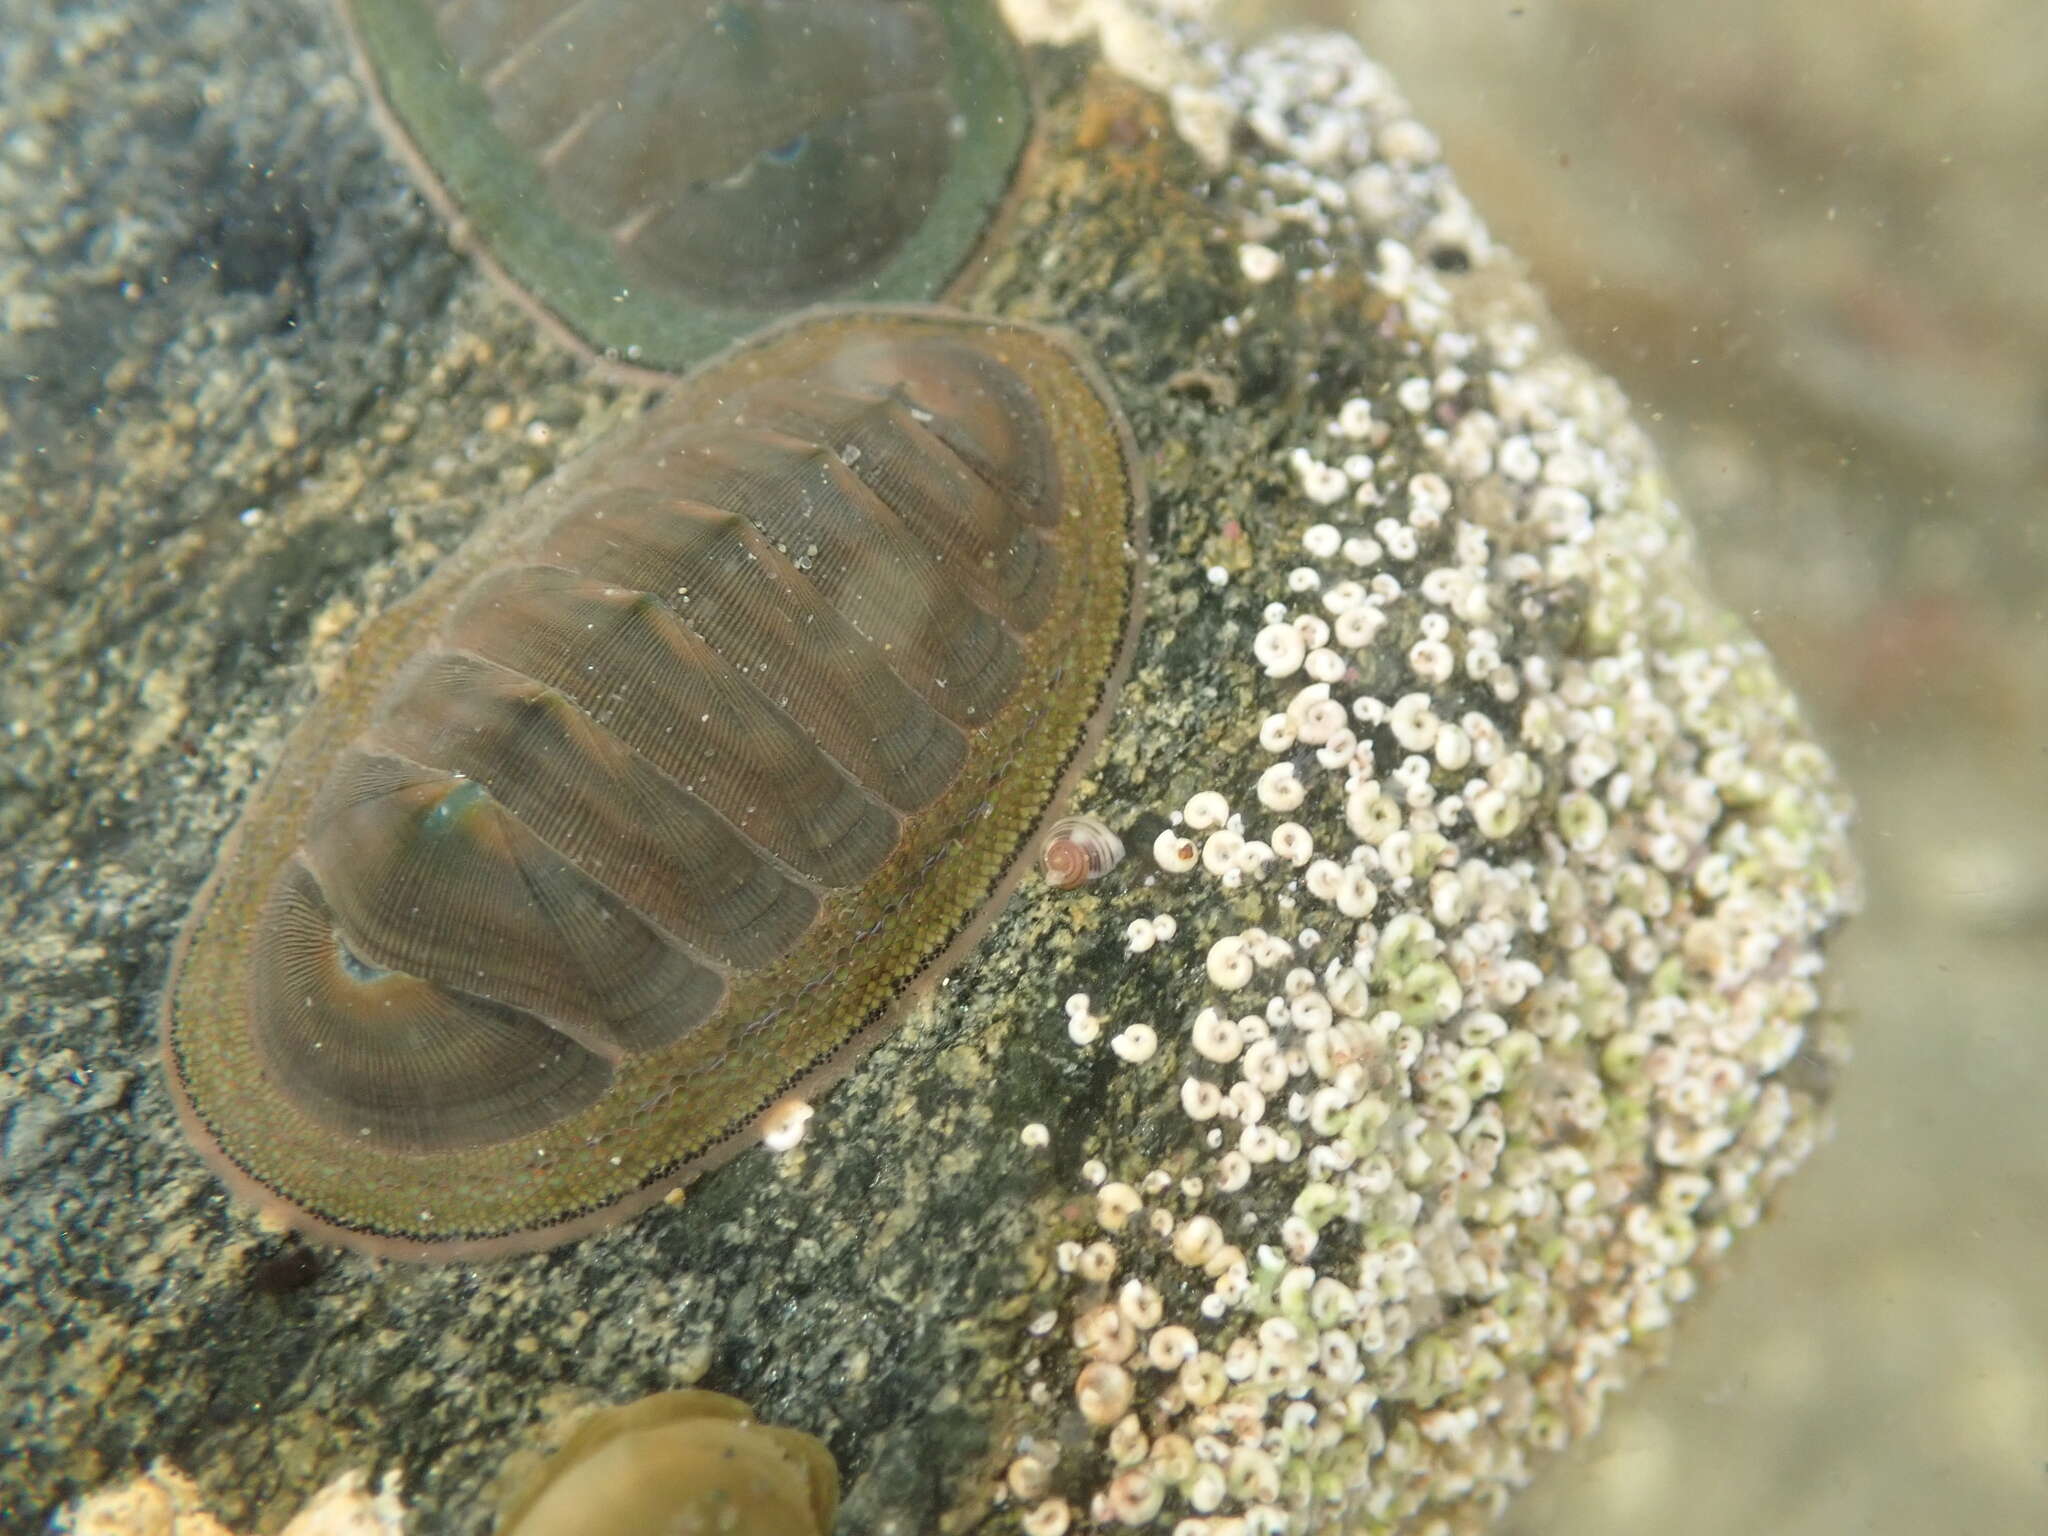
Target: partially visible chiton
x=679, y=1464
x=651, y=802
x=662, y=177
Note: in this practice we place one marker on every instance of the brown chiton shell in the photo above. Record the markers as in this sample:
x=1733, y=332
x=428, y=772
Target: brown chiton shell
x=648, y=804
x=661, y=178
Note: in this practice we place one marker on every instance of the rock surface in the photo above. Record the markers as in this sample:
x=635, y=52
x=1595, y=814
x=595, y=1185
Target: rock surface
x=1823, y=309
x=1534, y=952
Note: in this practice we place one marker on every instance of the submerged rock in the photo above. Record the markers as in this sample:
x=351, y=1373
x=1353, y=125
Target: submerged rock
x=1320, y=1167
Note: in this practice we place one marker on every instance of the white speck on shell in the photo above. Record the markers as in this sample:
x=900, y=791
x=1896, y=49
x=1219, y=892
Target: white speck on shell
x=1260, y=264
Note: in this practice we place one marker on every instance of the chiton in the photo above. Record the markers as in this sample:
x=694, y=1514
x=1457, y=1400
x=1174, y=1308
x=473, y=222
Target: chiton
x=679, y=1462
x=660, y=179
x=652, y=800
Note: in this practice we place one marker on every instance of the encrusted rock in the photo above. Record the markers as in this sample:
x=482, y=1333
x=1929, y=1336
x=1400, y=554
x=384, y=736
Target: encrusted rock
x=1488, y=1006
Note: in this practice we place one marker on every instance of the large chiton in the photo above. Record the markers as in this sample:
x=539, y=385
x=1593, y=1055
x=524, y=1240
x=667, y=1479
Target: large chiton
x=649, y=804
x=661, y=178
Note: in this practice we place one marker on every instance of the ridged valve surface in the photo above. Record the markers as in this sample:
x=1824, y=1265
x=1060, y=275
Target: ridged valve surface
x=657, y=797
x=661, y=178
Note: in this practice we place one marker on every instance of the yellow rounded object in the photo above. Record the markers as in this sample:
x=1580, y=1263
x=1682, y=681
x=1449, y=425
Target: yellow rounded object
x=679, y=1464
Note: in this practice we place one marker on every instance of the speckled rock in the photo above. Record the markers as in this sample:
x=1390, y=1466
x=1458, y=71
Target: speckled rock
x=1319, y=1168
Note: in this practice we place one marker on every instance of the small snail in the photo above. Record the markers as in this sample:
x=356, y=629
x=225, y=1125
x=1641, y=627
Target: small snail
x=1078, y=849
x=679, y=1464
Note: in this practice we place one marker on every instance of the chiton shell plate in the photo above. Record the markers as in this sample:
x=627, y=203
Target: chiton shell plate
x=660, y=179
x=650, y=803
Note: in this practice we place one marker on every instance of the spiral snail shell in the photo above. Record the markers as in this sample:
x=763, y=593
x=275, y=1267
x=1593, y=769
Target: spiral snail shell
x=1078, y=849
